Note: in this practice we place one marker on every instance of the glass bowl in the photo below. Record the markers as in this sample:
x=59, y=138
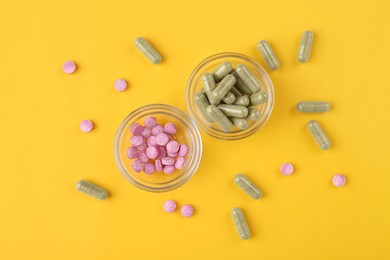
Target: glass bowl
x=194, y=85
x=187, y=133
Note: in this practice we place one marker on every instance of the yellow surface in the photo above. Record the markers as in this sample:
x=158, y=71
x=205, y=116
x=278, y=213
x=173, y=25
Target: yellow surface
x=43, y=153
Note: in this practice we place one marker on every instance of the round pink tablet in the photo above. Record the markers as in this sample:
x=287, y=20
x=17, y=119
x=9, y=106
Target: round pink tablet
x=149, y=168
x=172, y=147
x=86, y=126
x=146, y=132
x=184, y=149
x=162, y=139
x=132, y=153
x=168, y=169
x=152, y=141
x=159, y=166
x=152, y=152
x=170, y=128
x=120, y=85
x=187, y=211
x=143, y=157
x=141, y=147
x=169, y=206
x=157, y=129
x=163, y=152
x=287, y=169
x=180, y=163
x=168, y=161
x=136, y=129
x=136, y=140
x=69, y=67
x=172, y=155
x=137, y=165
x=339, y=180
x=150, y=122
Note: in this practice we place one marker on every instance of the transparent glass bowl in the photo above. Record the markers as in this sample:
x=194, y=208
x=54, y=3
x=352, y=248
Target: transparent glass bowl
x=187, y=133
x=194, y=85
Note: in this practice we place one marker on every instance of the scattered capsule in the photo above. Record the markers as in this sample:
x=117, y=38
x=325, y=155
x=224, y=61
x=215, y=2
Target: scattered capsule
x=236, y=91
x=234, y=110
x=240, y=84
x=147, y=49
x=305, y=46
x=268, y=55
x=209, y=86
x=254, y=114
x=240, y=223
x=242, y=101
x=319, y=135
x=312, y=106
x=246, y=185
x=223, y=87
x=259, y=98
x=91, y=189
x=229, y=98
x=251, y=82
x=219, y=118
x=241, y=123
x=202, y=102
x=222, y=70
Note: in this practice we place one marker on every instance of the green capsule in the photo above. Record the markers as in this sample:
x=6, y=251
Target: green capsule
x=202, y=102
x=229, y=98
x=222, y=70
x=223, y=87
x=251, y=82
x=254, y=114
x=91, y=189
x=313, y=106
x=219, y=118
x=242, y=101
x=234, y=110
x=236, y=91
x=305, y=46
x=259, y=98
x=319, y=135
x=240, y=84
x=241, y=123
x=246, y=185
x=268, y=55
x=147, y=50
x=209, y=86
x=241, y=224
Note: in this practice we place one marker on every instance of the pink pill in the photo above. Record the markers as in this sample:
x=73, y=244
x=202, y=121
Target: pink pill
x=159, y=166
x=170, y=128
x=339, y=180
x=120, y=85
x=136, y=129
x=132, y=153
x=86, y=126
x=141, y=147
x=146, y=133
x=169, y=206
x=163, y=152
x=173, y=147
x=168, y=161
x=168, y=169
x=149, y=168
x=152, y=141
x=136, y=140
x=152, y=152
x=180, y=163
x=143, y=157
x=187, y=211
x=172, y=155
x=287, y=168
x=137, y=165
x=162, y=139
x=150, y=122
x=157, y=129
x=184, y=149
x=69, y=67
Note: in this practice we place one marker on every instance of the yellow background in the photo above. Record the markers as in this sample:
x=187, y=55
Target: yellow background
x=43, y=153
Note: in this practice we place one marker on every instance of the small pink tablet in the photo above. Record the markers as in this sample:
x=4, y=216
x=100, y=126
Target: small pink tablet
x=157, y=129
x=339, y=180
x=168, y=169
x=184, y=149
x=187, y=211
x=137, y=165
x=152, y=152
x=158, y=165
x=169, y=206
x=162, y=139
x=120, y=85
x=287, y=169
x=149, y=168
x=86, y=126
x=132, y=153
x=69, y=67
x=136, y=140
x=180, y=163
x=136, y=129
x=170, y=128
x=150, y=122
x=172, y=147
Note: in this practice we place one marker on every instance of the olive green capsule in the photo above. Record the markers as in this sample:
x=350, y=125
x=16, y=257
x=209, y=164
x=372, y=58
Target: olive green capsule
x=259, y=98
x=234, y=110
x=254, y=114
x=319, y=135
x=242, y=101
x=240, y=84
x=305, y=46
x=91, y=189
x=222, y=70
x=202, y=102
x=219, y=118
x=251, y=82
x=241, y=224
x=268, y=55
x=209, y=86
x=223, y=87
x=236, y=91
x=241, y=123
x=246, y=185
x=229, y=98
x=147, y=50
x=313, y=106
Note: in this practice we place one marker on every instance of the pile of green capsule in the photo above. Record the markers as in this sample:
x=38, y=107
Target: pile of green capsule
x=229, y=95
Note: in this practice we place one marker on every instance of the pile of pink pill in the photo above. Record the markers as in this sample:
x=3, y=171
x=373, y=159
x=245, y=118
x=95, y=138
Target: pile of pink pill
x=154, y=148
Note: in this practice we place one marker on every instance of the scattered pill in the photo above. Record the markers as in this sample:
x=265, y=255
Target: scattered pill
x=241, y=123
x=180, y=163
x=152, y=152
x=132, y=153
x=229, y=98
x=170, y=128
x=268, y=55
x=158, y=165
x=147, y=50
x=250, y=81
x=240, y=84
x=157, y=129
x=137, y=165
x=187, y=211
x=202, y=102
x=86, y=126
x=69, y=67
x=222, y=70
x=150, y=122
x=91, y=189
x=149, y=168
x=136, y=129
x=246, y=185
x=223, y=87
x=240, y=223
x=313, y=106
x=219, y=118
x=120, y=85
x=168, y=169
x=305, y=46
x=234, y=110
x=146, y=132
x=169, y=206
x=136, y=140
x=242, y=101
x=287, y=169
x=184, y=150
x=319, y=134
x=259, y=98
x=254, y=114
x=168, y=161
x=209, y=87
x=339, y=180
